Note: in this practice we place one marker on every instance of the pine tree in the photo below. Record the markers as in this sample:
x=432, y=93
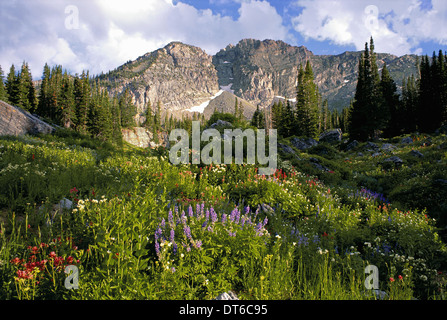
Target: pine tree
x=67, y=103
x=117, y=136
x=277, y=111
x=391, y=108
x=427, y=108
x=366, y=117
x=308, y=104
x=12, y=86
x=324, y=117
x=42, y=106
x=258, y=119
x=409, y=99
x=27, y=99
x=3, y=94
x=127, y=110
x=82, y=93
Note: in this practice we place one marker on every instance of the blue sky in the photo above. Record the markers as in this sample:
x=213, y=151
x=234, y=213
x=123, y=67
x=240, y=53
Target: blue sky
x=100, y=35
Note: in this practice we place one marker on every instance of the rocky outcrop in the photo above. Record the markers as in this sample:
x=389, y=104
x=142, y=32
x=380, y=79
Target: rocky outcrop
x=259, y=71
x=330, y=136
x=179, y=76
x=143, y=138
x=15, y=121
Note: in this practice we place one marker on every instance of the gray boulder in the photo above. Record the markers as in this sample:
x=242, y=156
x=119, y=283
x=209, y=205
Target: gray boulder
x=316, y=163
x=396, y=160
x=16, y=121
x=387, y=147
x=331, y=136
x=227, y=296
x=303, y=143
x=285, y=148
x=407, y=140
x=351, y=145
x=371, y=146
x=416, y=153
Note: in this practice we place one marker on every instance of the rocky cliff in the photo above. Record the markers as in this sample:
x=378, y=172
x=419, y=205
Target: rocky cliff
x=179, y=76
x=182, y=77
x=258, y=71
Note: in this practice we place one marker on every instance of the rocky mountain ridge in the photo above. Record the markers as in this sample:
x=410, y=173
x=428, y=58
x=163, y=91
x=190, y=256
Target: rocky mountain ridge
x=183, y=77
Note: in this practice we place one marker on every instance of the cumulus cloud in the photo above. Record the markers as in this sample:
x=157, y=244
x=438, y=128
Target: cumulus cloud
x=398, y=26
x=102, y=34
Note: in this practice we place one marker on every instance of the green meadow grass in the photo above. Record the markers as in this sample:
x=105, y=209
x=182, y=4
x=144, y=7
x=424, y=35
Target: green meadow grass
x=141, y=228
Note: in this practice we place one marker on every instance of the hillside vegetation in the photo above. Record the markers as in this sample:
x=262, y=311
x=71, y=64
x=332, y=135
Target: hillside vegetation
x=137, y=227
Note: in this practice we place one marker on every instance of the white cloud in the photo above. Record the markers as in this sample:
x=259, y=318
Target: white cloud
x=110, y=32
x=397, y=26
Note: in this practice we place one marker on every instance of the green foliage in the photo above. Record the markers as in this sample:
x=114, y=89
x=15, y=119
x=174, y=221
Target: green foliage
x=288, y=236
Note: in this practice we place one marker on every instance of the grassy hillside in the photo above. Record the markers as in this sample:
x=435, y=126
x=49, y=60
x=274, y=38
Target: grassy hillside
x=141, y=228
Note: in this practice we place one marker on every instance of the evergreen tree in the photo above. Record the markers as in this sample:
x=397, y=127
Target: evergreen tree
x=117, y=136
x=258, y=119
x=410, y=97
x=391, y=106
x=366, y=117
x=3, y=94
x=127, y=109
x=12, y=86
x=27, y=99
x=82, y=93
x=428, y=117
x=308, y=104
x=67, y=103
x=42, y=106
x=277, y=111
x=324, y=117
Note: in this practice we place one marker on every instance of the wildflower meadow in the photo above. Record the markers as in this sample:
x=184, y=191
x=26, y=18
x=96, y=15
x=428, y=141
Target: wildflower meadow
x=137, y=227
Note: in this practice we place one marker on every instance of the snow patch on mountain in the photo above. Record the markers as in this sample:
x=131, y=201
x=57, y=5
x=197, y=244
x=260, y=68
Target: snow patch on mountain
x=200, y=108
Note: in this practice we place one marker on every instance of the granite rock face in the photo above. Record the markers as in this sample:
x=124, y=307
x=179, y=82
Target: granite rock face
x=182, y=76
x=15, y=121
x=143, y=138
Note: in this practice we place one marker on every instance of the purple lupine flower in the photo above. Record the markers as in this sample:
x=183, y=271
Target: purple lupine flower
x=157, y=248
x=183, y=217
x=213, y=215
x=258, y=229
x=202, y=208
x=175, y=248
x=204, y=224
x=233, y=215
x=264, y=223
x=238, y=216
x=242, y=221
x=190, y=211
x=163, y=223
x=247, y=209
x=198, y=244
x=187, y=232
x=224, y=218
x=232, y=234
x=207, y=215
x=170, y=218
x=158, y=233
x=171, y=236
x=197, y=210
